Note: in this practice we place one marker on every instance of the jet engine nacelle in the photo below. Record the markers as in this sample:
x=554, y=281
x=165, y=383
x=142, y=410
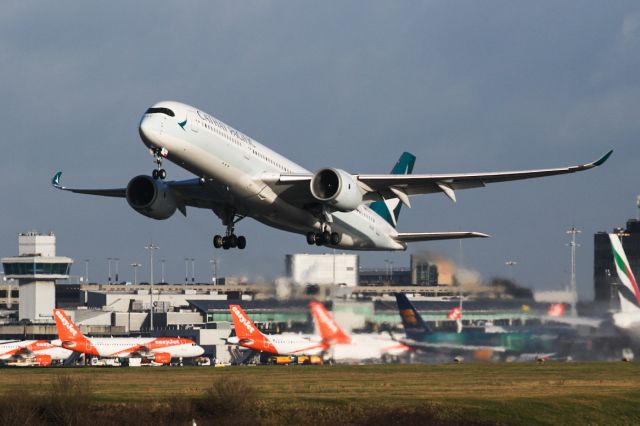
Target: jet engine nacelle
x=337, y=189
x=162, y=358
x=151, y=197
x=43, y=360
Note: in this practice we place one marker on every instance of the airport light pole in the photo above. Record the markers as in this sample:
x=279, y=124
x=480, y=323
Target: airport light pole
x=86, y=270
x=135, y=272
x=151, y=247
x=109, y=259
x=574, y=291
x=186, y=270
x=193, y=270
x=214, y=270
x=117, y=280
x=162, y=269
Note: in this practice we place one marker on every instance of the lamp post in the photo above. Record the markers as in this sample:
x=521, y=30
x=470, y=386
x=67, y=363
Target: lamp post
x=214, y=270
x=135, y=272
x=151, y=247
x=193, y=270
x=117, y=280
x=162, y=269
x=86, y=270
x=109, y=259
x=574, y=291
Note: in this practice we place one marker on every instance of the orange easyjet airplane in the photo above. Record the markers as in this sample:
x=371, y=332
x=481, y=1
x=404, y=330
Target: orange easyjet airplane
x=248, y=336
x=159, y=349
x=358, y=347
x=32, y=352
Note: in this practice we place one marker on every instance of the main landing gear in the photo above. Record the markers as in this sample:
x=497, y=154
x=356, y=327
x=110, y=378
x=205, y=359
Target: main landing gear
x=230, y=239
x=158, y=155
x=324, y=238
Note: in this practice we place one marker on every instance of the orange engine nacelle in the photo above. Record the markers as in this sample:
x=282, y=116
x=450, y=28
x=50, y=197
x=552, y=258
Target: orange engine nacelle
x=43, y=360
x=162, y=358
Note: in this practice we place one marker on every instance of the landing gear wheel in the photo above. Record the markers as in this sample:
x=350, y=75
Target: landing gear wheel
x=154, y=174
x=225, y=243
x=318, y=239
x=326, y=237
x=311, y=238
x=335, y=238
x=242, y=242
x=217, y=241
x=162, y=174
x=233, y=241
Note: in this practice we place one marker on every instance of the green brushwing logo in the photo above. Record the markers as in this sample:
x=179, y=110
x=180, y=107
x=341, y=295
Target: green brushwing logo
x=182, y=124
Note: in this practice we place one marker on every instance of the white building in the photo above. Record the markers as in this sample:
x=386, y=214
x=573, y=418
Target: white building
x=328, y=268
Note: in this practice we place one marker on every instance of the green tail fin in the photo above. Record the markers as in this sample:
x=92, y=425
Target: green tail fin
x=389, y=209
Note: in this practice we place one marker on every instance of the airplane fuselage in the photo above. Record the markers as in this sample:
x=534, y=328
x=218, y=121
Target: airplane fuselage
x=236, y=169
x=125, y=347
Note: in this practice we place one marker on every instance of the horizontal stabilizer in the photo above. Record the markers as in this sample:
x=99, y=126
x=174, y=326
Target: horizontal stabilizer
x=412, y=237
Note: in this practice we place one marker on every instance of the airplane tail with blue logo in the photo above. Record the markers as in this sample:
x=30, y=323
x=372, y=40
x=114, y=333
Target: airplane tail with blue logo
x=414, y=325
x=389, y=208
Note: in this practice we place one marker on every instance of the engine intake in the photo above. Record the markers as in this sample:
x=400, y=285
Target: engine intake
x=337, y=189
x=151, y=197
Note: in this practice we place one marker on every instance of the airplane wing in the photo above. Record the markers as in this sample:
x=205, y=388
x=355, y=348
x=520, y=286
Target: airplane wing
x=414, y=344
x=190, y=192
x=383, y=186
x=411, y=237
x=575, y=321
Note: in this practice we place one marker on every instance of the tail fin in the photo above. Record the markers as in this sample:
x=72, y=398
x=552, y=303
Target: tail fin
x=628, y=291
x=411, y=319
x=67, y=330
x=455, y=314
x=329, y=328
x=245, y=328
x=389, y=209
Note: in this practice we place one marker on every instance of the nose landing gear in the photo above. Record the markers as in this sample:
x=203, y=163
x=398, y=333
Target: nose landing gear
x=158, y=155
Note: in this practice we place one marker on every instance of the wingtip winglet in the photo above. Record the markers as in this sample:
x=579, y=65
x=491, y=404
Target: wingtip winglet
x=603, y=159
x=56, y=180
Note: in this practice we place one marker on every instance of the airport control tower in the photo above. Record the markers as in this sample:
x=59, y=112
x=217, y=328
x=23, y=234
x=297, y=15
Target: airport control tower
x=37, y=268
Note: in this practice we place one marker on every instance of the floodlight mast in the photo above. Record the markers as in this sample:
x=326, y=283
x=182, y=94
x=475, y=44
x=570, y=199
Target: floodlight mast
x=151, y=247
x=574, y=291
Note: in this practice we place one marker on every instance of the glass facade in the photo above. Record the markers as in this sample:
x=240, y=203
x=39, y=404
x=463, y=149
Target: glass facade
x=36, y=268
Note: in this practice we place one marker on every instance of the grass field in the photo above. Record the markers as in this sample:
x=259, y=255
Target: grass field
x=551, y=393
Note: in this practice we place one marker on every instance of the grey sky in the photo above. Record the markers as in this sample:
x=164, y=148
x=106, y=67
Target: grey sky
x=466, y=86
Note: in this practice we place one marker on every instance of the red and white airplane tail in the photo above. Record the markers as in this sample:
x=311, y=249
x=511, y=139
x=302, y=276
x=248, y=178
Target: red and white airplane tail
x=70, y=335
x=67, y=330
x=329, y=329
x=245, y=328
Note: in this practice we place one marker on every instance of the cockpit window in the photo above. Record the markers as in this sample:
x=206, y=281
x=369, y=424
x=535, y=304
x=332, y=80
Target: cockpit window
x=161, y=111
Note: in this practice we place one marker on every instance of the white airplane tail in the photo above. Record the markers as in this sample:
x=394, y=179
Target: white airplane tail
x=628, y=291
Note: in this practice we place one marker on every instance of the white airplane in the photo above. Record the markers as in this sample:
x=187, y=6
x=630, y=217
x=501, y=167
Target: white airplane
x=31, y=352
x=237, y=177
x=159, y=349
x=629, y=293
x=354, y=348
x=248, y=336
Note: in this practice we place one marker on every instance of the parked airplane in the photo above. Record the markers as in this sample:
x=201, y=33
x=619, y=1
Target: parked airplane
x=629, y=293
x=237, y=177
x=354, y=348
x=248, y=336
x=159, y=349
x=31, y=352
x=420, y=336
